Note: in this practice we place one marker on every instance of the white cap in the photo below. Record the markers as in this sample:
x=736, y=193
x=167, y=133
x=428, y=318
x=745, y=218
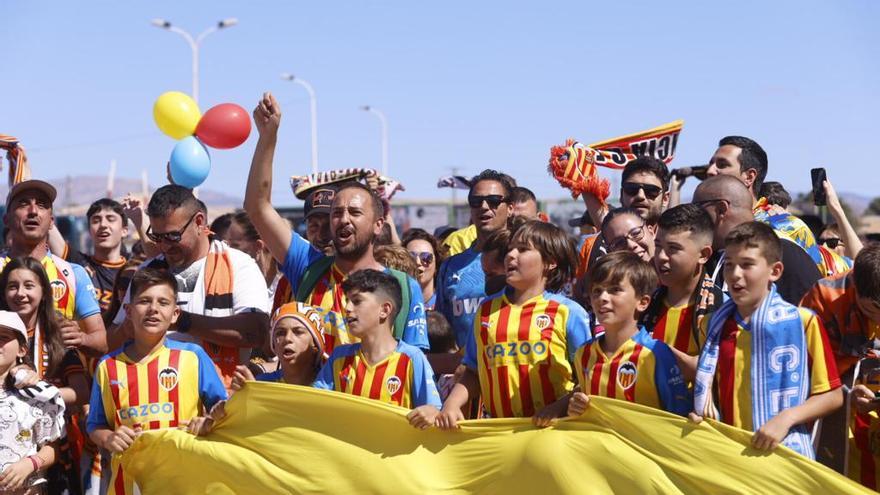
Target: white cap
x=11, y=320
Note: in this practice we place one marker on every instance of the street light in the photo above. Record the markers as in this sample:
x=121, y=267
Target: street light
x=194, y=44
x=368, y=108
x=313, y=104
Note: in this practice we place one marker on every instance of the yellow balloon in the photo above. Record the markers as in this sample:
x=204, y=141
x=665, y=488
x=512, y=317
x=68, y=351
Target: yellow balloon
x=176, y=114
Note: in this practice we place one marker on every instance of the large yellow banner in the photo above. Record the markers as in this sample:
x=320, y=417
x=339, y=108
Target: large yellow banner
x=286, y=439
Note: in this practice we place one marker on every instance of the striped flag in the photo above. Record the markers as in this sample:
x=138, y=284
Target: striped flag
x=574, y=164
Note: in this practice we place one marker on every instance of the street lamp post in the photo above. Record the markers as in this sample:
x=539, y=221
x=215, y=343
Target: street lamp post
x=384, y=121
x=194, y=45
x=313, y=105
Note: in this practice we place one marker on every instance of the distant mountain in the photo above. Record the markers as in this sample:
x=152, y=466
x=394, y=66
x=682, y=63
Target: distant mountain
x=856, y=201
x=82, y=190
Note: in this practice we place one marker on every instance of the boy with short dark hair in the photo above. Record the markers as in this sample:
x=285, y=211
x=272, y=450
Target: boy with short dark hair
x=683, y=246
x=150, y=382
x=625, y=362
x=379, y=367
x=766, y=365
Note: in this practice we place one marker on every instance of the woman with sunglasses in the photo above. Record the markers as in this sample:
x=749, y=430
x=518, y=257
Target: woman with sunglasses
x=426, y=251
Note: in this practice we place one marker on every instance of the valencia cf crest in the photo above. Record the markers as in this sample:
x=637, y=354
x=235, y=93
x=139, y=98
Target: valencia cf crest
x=626, y=375
x=542, y=321
x=392, y=384
x=59, y=289
x=168, y=379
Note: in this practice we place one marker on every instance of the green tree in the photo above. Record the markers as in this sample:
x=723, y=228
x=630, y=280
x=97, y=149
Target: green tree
x=874, y=207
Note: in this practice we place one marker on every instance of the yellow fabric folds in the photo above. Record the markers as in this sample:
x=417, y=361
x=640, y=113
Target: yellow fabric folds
x=280, y=438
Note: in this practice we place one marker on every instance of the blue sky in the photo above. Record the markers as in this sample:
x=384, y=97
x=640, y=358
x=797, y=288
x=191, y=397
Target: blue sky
x=471, y=85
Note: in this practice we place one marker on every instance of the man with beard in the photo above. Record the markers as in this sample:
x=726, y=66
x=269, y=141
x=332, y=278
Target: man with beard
x=28, y=218
x=356, y=218
x=221, y=292
x=461, y=283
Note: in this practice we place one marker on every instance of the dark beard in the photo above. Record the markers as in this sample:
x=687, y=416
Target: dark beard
x=353, y=252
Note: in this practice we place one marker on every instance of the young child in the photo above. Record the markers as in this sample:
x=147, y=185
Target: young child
x=379, y=367
x=523, y=337
x=444, y=356
x=150, y=382
x=683, y=246
x=298, y=340
x=766, y=365
x=28, y=425
x=625, y=362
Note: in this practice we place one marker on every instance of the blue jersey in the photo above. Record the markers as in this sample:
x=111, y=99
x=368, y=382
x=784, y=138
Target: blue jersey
x=86, y=305
x=403, y=378
x=461, y=287
x=327, y=294
x=276, y=376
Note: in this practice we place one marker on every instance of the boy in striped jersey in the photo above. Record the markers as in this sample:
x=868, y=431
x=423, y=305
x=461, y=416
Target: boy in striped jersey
x=625, y=362
x=150, y=383
x=380, y=367
x=518, y=353
x=683, y=246
x=766, y=365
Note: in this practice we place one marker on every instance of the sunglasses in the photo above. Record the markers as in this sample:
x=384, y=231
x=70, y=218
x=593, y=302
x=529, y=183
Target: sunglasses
x=633, y=188
x=831, y=242
x=170, y=237
x=493, y=200
x=424, y=258
x=636, y=234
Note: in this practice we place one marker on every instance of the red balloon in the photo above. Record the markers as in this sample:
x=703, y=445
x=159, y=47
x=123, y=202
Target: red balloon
x=224, y=126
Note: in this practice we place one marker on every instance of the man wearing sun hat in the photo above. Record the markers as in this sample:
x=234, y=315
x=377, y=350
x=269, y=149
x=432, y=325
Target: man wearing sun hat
x=28, y=218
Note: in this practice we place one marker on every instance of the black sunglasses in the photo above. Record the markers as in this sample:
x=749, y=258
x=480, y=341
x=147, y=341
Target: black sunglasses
x=830, y=242
x=171, y=237
x=493, y=200
x=632, y=188
x=425, y=258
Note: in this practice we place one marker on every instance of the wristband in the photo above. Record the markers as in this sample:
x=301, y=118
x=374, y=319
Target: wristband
x=36, y=461
x=183, y=322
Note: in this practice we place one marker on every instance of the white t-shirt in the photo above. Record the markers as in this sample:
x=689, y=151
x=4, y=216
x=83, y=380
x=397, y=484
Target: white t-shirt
x=249, y=292
x=26, y=425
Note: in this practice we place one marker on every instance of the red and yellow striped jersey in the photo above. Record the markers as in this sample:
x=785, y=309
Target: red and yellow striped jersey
x=675, y=328
x=733, y=376
x=834, y=301
x=643, y=370
x=521, y=352
x=404, y=378
x=170, y=385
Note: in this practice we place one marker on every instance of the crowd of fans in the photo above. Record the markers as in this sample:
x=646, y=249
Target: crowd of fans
x=730, y=307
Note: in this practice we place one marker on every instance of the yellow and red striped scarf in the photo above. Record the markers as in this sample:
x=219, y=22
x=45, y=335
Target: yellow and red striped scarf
x=574, y=164
x=19, y=170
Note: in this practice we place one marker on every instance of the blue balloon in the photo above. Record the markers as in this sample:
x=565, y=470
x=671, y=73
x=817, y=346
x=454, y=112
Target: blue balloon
x=190, y=162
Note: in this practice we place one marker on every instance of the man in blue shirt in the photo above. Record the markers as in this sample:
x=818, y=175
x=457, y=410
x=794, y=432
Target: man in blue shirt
x=461, y=281
x=356, y=218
